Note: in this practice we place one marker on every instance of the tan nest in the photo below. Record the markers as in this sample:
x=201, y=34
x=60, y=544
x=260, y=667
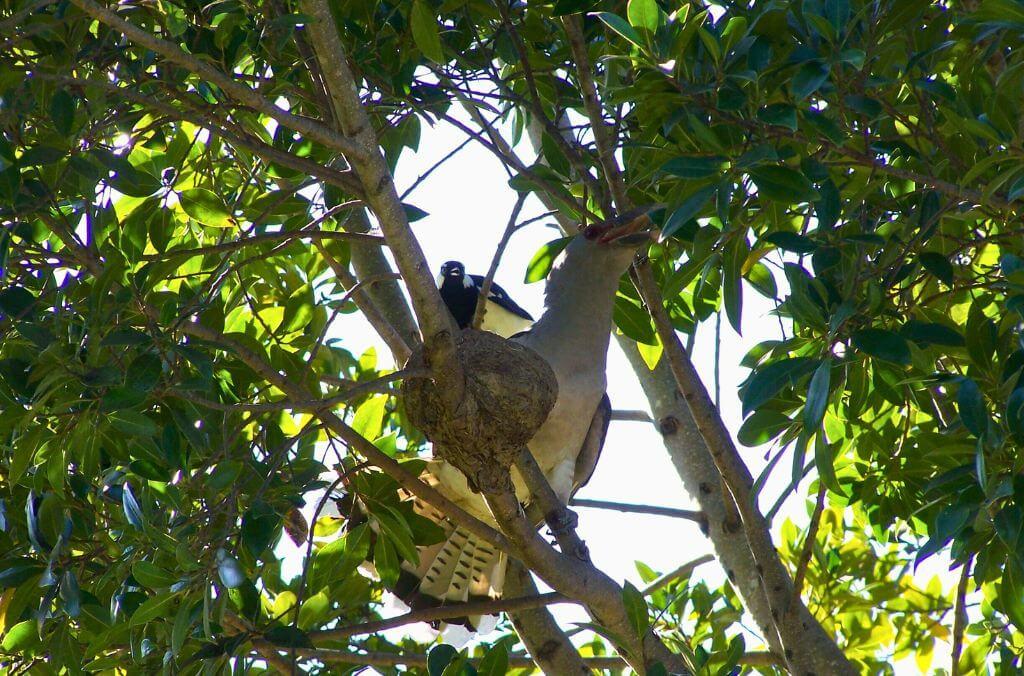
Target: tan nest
x=509, y=392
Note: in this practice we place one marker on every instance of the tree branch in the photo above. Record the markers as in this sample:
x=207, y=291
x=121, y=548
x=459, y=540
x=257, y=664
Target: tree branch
x=582, y=581
x=639, y=509
x=499, y=251
x=775, y=581
x=240, y=92
x=445, y=612
x=681, y=571
x=545, y=641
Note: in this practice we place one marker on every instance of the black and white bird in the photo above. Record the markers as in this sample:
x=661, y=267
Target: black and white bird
x=460, y=291
x=573, y=335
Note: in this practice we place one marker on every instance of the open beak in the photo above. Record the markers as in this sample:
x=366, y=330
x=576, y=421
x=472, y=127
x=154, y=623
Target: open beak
x=630, y=229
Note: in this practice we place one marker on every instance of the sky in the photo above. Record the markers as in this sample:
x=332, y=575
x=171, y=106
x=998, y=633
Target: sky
x=469, y=201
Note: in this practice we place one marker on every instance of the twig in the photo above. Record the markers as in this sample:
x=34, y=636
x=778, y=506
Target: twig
x=377, y=385
x=242, y=93
x=263, y=239
x=206, y=120
x=633, y=416
x=681, y=571
x=268, y=652
x=960, y=619
x=444, y=612
x=808, y=548
x=485, y=288
x=375, y=456
x=688, y=514
x=422, y=177
x=556, y=514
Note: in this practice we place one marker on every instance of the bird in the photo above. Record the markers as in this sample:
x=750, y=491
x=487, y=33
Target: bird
x=460, y=292
x=572, y=335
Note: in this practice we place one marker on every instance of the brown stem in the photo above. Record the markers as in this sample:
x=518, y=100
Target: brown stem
x=639, y=509
x=959, y=620
x=681, y=571
x=445, y=612
x=808, y=549
x=499, y=251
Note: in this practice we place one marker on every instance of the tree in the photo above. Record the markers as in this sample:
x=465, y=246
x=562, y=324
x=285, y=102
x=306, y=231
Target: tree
x=188, y=194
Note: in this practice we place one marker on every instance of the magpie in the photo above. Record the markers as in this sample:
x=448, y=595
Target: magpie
x=460, y=291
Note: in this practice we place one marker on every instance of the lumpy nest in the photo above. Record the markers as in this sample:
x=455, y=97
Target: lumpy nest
x=509, y=391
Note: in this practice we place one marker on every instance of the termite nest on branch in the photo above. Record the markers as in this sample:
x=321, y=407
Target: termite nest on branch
x=509, y=391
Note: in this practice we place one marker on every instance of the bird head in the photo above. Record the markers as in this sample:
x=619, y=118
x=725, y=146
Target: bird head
x=452, y=271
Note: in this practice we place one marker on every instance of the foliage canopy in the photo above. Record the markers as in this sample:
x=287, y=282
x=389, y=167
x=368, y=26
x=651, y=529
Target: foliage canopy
x=859, y=163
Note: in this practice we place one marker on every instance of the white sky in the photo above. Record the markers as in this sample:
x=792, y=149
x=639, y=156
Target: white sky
x=469, y=203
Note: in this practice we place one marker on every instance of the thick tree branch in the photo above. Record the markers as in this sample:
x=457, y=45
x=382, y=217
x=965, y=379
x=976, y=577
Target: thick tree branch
x=436, y=323
x=545, y=641
x=582, y=581
x=240, y=92
x=446, y=612
x=788, y=617
x=375, y=456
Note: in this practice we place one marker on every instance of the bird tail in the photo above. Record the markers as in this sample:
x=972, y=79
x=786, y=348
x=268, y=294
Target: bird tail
x=460, y=568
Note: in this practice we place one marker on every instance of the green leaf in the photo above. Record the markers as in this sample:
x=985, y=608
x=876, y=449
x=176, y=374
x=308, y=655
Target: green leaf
x=732, y=280
x=694, y=166
x=542, y=261
x=289, y=637
x=260, y=527
x=620, y=26
x=791, y=241
x=132, y=510
x=643, y=15
x=205, y=207
x=14, y=572
x=808, y=79
x=151, y=575
x=769, y=380
x=425, y=31
x=157, y=606
x=636, y=608
x=16, y=301
x=882, y=344
x=938, y=265
x=972, y=407
x=439, y=657
x=495, y=662
x=762, y=427
x=20, y=637
x=779, y=114
x=782, y=184
x=930, y=333
x=824, y=461
x=689, y=209
x=369, y=418
x=634, y=321
x=817, y=396
x=132, y=423
x=62, y=111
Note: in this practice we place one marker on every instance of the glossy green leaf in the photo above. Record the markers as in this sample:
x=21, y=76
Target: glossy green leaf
x=882, y=344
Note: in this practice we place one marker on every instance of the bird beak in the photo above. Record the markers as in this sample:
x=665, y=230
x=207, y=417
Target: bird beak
x=631, y=230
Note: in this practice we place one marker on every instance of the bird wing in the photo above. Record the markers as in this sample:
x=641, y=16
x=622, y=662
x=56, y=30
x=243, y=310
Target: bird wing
x=500, y=297
x=590, y=452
